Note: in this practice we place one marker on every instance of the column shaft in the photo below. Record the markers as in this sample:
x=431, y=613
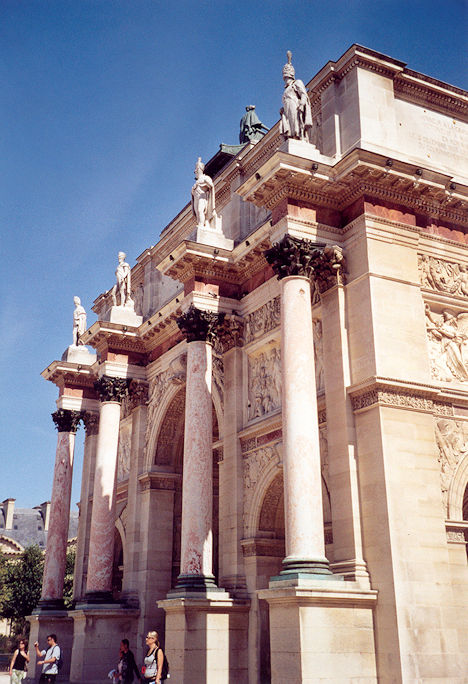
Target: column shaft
x=57, y=537
x=101, y=544
x=197, y=494
x=305, y=545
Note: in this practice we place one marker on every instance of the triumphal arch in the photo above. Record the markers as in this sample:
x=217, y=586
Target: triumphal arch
x=275, y=400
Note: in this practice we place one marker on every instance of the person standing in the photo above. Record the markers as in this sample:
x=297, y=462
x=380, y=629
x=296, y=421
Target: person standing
x=154, y=659
x=49, y=660
x=129, y=666
x=19, y=662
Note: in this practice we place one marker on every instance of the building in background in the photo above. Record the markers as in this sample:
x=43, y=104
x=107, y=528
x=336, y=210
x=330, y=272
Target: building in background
x=275, y=400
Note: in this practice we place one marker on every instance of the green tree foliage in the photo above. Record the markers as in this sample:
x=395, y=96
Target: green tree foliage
x=68, y=583
x=20, y=585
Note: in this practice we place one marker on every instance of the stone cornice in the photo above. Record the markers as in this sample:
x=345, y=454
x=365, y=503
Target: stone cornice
x=286, y=175
x=103, y=335
x=159, y=480
x=63, y=373
x=394, y=393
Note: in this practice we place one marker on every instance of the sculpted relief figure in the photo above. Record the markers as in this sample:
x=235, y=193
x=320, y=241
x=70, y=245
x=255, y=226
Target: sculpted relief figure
x=122, y=288
x=296, y=115
x=264, y=384
x=451, y=437
x=318, y=355
x=79, y=321
x=203, y=197
x=448, y=337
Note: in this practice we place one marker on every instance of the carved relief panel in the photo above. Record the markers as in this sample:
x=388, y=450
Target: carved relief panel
x=447, y=334
x=443, y=276
x=264, y=381
x=124, y=451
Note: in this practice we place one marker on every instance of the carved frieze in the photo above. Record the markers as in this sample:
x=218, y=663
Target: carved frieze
x=198, y=325
x=264, y=383
x=263, y=320
x=66, y=420
x=443, y=276
x=447, y=335
x=392, y=397
x=452, y=441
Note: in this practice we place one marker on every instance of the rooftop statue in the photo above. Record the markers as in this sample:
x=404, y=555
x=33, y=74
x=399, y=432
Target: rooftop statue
x=251, y=128
x=122, y=287
x=296, y=115
x=203, y=197
x=79, y=321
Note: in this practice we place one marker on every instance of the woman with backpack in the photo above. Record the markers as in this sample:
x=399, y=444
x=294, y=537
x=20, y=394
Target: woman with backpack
x=155, y=660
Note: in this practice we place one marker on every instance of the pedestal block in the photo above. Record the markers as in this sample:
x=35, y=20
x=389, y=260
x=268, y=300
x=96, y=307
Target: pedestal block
x=206, y=638
x=321, y=631
x=42, y=624
x=98, y=633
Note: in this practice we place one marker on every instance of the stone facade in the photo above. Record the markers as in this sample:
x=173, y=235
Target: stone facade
x=278, y=476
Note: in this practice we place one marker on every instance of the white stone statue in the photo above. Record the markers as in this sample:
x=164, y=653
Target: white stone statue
x=296, y=114
x=79, y=322
x=122, y=288
x=203, y=198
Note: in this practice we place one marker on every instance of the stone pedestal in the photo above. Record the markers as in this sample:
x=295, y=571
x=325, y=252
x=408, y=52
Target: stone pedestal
x=98, y=633
x=79, y=354
x=214, y=236
x=206, y=639
x=321, y=632
x=125, y=315
x=42, y=624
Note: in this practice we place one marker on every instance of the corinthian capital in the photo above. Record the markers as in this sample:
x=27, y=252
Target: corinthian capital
x=91, y=422
x=198, y=325
x=66, y=420
x=301, y=257
x=112, y=389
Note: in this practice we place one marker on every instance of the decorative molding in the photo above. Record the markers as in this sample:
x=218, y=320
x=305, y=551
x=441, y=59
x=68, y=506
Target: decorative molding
x=447, y=335
x=197, y=325
x=66, y=420
x=112, y=389
x=263, y=320
x=163, y=481
x=91, y=422
x=443, y=276
x=385, y=395
x=264, y=382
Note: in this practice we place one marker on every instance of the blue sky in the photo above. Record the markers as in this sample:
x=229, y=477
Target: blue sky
x=105, y=107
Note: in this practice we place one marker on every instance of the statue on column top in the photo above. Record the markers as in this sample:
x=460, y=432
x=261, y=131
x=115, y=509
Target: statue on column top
x=122, y=287
x=203, y=197
x=296, y=114
x=251, y=128
x=79, y=322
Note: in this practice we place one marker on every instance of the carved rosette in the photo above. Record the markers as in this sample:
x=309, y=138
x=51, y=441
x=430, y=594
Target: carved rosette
x=301, y=257
x=197, y=325
x=91, y=422
x=66, y=420
x=112, y=389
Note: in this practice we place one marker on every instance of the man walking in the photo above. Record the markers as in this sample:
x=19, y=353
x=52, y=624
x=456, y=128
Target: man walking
x=129, y=665
x=49, y=659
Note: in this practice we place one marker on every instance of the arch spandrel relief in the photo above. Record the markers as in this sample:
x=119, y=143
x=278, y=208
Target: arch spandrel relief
x=443, y=276
x=452, y=443
x=447, y=334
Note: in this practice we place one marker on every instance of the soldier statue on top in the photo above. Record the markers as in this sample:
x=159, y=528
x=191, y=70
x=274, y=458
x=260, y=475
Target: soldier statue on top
x=296, y=114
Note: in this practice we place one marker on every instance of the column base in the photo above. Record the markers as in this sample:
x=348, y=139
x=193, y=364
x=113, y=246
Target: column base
x=49, y=604
x=310, y=620
x=93, y=598
x=207, y=639
x=296, y=568
x=98, y=631
x=201, y=583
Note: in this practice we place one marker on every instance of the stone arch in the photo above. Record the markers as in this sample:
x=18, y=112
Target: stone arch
x=457, y=490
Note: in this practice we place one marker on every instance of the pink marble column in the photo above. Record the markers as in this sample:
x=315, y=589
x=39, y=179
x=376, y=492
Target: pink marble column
x=56, y=551
x=196, y=567
x=101, y=543
x=303, y=512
